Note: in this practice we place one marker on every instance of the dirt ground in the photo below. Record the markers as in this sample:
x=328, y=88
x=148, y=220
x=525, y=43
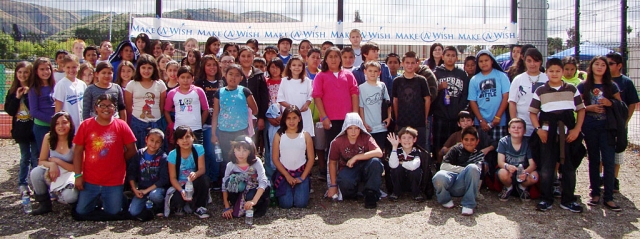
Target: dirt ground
x=403, y=219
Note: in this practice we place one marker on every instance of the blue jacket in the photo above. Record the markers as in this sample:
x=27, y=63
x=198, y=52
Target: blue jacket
x=385, y=76
x=159, y=161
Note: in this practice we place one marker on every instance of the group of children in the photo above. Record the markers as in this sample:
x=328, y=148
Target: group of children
x=252, y=125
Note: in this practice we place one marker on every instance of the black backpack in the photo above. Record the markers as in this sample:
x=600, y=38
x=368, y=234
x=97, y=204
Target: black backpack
x=179, y=159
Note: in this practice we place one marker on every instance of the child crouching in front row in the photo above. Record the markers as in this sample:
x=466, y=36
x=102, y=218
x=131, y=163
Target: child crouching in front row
x=405, y=163
x=513, y=150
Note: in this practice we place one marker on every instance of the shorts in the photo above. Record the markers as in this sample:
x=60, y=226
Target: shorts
x=619, y=158
x=319, y=141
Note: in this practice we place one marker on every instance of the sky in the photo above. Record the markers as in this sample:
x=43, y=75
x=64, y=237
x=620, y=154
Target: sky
x=599, y=18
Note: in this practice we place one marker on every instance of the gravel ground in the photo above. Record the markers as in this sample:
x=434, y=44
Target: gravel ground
x=404, y=219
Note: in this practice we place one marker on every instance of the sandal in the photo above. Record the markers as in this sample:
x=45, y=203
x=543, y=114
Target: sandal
x=595, y=200
x=614, y=208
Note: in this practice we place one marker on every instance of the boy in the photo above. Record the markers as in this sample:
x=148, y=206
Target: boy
x=348, y=58
x=411, y=98
x=393, y=62
x=325, y=45
x=373, y=95
x=355, y=37
x=523, y=87
x=147, y=174
x=91, y=55
x=488, y=94
x=261, y=63
x=470, y=66
x=370, y=52
x=405, y=163
x=105, y=51
x=314, y=58
x=453, y=89
x=270, y=52
x=69, y=92
x=513, y=151
x=58, y=74
x=516, y=51
x=629, y=95
x=465, y=119
x=284, y=46
x=459, y=175
x=555, y=103
x=78, y=49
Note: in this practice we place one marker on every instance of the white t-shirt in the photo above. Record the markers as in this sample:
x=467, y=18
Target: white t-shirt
x=71, y=95
x=292, y=151
x=298, y=93
x=521, y=92
x=358, y=54
x=188, y=107
x=57, y=76
x=146, y=102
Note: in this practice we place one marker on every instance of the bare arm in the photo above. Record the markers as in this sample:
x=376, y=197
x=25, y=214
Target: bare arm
x=354, y=103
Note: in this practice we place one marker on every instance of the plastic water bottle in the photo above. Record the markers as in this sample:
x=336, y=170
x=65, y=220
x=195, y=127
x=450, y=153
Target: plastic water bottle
x=26, y=203
x=218, y=151
x=149, y=204
x=447, y=98
x=248, y=217
x=520, y=172
x=188, y=189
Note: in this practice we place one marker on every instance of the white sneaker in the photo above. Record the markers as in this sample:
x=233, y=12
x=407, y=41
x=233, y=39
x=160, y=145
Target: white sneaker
x=201, y=212
x=448, y=204
x=467, y=211
x=383, y=194
x=24, y=188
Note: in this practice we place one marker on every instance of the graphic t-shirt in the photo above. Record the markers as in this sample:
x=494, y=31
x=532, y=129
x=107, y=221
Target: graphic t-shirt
x=187, y=163
x=149, y=170
x=234, y=112
x=146, y=102
x=104, y=163
x=71, y=95
x=210, y=88
x=512, y=156
x=521, y=92
x=273, y=86
x=593, y=119
x=410, y=94
x=371, y=101
x=188, y=107
x=457, y=90
x=487, y=90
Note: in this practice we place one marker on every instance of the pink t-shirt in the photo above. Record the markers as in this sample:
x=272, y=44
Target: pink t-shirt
x=186, y=107
x=335, y=92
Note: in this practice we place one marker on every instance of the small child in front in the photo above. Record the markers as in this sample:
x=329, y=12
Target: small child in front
x=147, y=174
x=513, y=150
x=405, y=163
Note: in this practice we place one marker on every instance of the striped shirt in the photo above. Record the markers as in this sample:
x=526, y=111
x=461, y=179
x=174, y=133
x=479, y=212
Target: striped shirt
x=549, y=99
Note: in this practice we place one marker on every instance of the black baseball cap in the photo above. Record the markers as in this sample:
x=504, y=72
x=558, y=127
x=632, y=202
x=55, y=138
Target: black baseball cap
x=271, y=48
x=284, y=38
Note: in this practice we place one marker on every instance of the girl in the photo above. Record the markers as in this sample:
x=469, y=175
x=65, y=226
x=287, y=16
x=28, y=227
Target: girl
x=292, y=181
x=126, y=71
x=162, y=66
x=244, y=181
x=212, y=46
x=313, y=61
x=147, y=174
x=143, y=43
x=296, y=90
x=210, y=80
x=186, y=163
x=144, y=97
x=190, y=44
x=17, y=105
x=102, y=146
x=232, y=48
x=275, y=69
x=189, y=104
x=598, y=91
x=230, y=110
x=193, y=60
x=171, y=74
x=256, y=83
x=85, y=73
x=225, y=61
x=56, y=163
x=435, y=56
x=335, y=93
x=106, y=49
x=524, y=87
x=40, y=96
x=103, y=85
x=570, y=72
x=168, y=49
x=157, y=48
x=254, y=45
x=519, y=66
x=126, y=51
x=303, y=49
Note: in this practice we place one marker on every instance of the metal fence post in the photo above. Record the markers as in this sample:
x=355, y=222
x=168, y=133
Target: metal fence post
x=623, y=35
x=576, y=48
x=159, y=8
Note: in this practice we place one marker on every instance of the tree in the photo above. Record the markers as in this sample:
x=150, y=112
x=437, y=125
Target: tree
x=554, y=45
x=7, y=46
x=572, y=37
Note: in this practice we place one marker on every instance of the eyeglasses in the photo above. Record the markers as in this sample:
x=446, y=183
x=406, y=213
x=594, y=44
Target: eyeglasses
x=106, y=106
x=226, y=62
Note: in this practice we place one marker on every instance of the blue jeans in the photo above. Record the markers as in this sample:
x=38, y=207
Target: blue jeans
x=269, y=167
x=28, y=157
x=212, y=167
x=367, y=171
x=599, y=148
x=463, y=184
x=298, y=196
x=140, y=130
x=39, y=132
x=111, y=197
x=137, y=204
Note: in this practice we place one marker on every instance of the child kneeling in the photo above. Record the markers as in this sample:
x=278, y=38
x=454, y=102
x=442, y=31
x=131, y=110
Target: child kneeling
x=513, y=150
x=405, y=163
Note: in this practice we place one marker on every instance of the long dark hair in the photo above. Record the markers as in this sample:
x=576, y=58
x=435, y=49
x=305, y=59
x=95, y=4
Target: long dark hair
x=589, y=83
x=201, y=74
x=53, y=135
x=147, y=43
x=287, y=70
x=246, y=142
x=35, y=82
x=431, y=62
x=16, y=83
x=207, y=45
x=283, y=122
x=179, y=133
x=325, y=66
x=145, y=59
x=518, y=67
x=278, y=63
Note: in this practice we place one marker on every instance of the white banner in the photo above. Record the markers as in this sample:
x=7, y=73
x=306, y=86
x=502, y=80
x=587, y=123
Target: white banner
x=269, y=33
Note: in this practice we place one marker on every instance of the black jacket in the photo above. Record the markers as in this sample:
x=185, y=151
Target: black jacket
x=575, y=150
x=617, y=124
x=21, y=130
x=258, y=87
x=133, y=169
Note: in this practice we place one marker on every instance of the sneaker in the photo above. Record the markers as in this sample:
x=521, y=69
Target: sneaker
x=616, y=186
x=543, y=206
x=557, y=191
x=370, y=199
x=216, y=189
x=504, y=195
x=524, y=194
x=448, y=204
x=210, y=198
x=201, y=212
x=24, y=188
x=393, y=197
x=573, y=207
x=467, y=211
x=383, y=194
x=419, y=198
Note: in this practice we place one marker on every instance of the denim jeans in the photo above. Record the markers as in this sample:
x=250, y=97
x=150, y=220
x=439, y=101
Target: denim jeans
x=39, y=132
x=464, y=184
x=28, y=158
x=137, y=204
x=298, y=196
x=600, y=149
x=111, y=197
x=269, y=167
x=367, y=171
x=140, y=130
x=549, y=156
x=212, y=167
